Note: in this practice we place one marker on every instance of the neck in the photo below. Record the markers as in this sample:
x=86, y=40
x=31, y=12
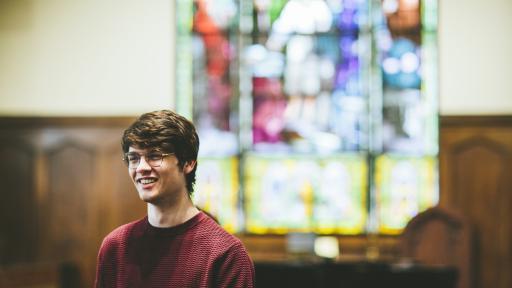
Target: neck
x=171, y=215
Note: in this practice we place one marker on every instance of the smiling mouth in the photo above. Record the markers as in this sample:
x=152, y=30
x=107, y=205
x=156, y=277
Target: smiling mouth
x=145, y=181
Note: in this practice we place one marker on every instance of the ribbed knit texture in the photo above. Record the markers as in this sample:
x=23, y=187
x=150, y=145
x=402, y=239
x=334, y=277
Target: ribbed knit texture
x=197, y=253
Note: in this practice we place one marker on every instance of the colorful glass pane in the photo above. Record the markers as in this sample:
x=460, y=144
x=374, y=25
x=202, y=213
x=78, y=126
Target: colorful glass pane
x=299, y=96
x=307, y=73
x=405, y=186
x=217, y=188
x=305, y=194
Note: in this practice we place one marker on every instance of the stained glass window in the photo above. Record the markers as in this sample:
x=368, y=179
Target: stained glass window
x=319, y=194
x=314, y=115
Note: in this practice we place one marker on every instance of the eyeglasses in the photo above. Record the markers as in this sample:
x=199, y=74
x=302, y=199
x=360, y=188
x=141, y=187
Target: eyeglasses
x=154, y=159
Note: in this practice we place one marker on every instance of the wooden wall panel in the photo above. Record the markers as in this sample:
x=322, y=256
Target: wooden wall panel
x=126, y=204
x=17, y=205
x=70, y=179
x=64, y=187
x=70, y=210
x=63, y=192
x=475, y=174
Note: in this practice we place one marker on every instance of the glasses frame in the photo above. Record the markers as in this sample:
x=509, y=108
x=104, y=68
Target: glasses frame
x=126, y=161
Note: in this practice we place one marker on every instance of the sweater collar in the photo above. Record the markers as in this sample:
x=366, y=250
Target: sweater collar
x=178, y=229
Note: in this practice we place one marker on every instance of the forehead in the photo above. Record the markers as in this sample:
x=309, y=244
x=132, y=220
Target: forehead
x=142, y=150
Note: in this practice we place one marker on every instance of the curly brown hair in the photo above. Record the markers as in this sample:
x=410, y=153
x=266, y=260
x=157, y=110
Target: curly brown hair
x=167, y=131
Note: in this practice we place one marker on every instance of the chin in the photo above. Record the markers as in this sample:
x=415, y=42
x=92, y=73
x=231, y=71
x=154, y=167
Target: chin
x=147, y=197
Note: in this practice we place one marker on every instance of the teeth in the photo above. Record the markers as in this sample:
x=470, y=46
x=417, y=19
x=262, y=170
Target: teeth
x=147, y=181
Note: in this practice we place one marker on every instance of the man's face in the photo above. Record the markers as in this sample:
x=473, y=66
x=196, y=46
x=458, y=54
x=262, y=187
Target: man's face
x=160, y=185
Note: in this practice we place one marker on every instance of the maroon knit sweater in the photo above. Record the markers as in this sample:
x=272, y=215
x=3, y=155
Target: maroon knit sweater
x=197, y=253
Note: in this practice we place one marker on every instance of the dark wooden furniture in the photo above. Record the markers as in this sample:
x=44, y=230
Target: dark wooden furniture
x=440, y=237
x=351, y=275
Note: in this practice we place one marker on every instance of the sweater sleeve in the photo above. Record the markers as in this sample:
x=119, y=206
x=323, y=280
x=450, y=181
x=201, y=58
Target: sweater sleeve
x=98, y=282
x=104, y=267
x=234, y=269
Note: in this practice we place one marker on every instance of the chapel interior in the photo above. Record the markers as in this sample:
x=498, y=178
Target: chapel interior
x=346, y=143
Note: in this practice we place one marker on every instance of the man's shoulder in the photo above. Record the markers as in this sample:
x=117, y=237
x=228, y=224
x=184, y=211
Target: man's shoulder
x=213, y=233
x=120, y=234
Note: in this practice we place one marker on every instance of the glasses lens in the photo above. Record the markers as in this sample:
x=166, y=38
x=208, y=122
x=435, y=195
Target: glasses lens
x=154, y=159
x=132, y=159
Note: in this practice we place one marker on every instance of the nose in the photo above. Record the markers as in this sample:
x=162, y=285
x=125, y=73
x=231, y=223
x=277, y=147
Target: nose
x=143, y=165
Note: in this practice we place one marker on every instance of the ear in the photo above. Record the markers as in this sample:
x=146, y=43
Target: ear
x=189, y=166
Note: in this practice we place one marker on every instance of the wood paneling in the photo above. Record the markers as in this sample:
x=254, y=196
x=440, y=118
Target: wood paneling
x=17, y=207
x=62, y=192
x=31, y=276
x=475, y=175
x=64, y=187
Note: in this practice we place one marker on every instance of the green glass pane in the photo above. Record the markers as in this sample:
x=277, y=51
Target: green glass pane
x=305, y=193
x=404, y=186
x=217, y=190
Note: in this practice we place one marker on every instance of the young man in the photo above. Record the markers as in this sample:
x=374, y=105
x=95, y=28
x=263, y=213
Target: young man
x=175, y=245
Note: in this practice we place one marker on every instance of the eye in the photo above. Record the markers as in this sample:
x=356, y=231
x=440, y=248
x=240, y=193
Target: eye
x=132, y=158
x=154, y=156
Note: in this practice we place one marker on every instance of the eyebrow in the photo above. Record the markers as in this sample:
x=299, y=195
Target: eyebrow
x=152, y=150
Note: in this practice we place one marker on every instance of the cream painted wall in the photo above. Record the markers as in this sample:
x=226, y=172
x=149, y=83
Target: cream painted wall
x=89, y=58
x=475, y=49
x=116, y=57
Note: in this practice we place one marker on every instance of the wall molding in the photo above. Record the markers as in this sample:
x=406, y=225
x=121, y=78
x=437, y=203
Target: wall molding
x=475, y=120
x=41, y=122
